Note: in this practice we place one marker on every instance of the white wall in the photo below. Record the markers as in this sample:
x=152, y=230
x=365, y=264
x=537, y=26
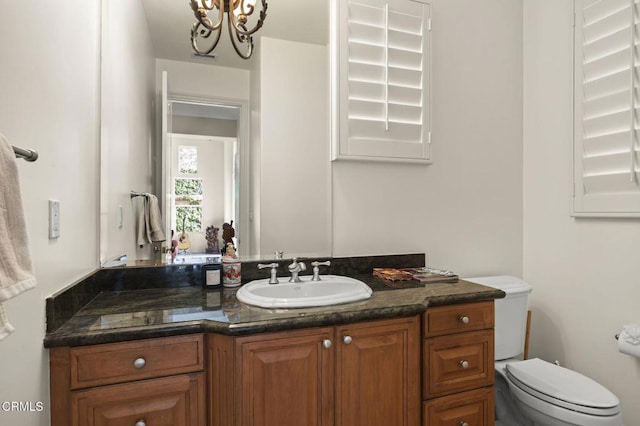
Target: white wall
x=465, y=209
x=127, y=130
x=255, y=141
x=49, y=102
x=204, y=126
x=204, y=80
x=584, y=272
x=295, y=197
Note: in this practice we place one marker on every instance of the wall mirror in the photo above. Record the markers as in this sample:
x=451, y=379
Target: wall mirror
x=216, y=139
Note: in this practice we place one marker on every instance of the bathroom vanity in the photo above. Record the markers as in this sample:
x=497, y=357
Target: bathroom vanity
x=413, y=355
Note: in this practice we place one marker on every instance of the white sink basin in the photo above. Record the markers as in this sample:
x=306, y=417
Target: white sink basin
x=330, y=290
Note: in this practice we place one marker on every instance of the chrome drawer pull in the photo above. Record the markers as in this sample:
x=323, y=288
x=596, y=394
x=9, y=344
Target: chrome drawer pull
x=463, y=423
x=326, y=343
x=139, y=363
x=463, y=319
x=143, y=423
x=464, y=364
x=347, y=339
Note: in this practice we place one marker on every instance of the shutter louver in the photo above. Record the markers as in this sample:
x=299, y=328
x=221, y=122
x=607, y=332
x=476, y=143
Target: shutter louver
x=607, y=120
x=384, y=80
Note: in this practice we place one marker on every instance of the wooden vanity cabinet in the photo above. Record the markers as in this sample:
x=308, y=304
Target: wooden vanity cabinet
x=352, y=375
x=139, y=383
x=361, y=374
x=458, y=369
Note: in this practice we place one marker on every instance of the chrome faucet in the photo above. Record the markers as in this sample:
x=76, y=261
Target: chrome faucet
x=274, y=271
x=295, y=267
x=316, y=269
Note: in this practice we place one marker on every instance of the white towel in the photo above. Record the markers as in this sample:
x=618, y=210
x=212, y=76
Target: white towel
x=150, y=226
x=16, y=269
x=631, y=333
x=155, y=233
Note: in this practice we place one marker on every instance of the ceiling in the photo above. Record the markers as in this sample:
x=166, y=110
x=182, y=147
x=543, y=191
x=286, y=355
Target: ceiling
x=170, y=23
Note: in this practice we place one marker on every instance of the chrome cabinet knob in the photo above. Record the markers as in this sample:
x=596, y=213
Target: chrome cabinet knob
x=463, y=319
x=347, y=339
x=139, y=363
x=141, y=423
x=326, y=343
x=464, y=364
x=463, y=423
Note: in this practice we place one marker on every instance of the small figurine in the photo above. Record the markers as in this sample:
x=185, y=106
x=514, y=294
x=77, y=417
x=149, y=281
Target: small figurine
x=227, y=236
x=230, y=251
x=228, y=233
x=212, y=239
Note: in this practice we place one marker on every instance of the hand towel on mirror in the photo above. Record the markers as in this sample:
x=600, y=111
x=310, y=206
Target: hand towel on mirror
x=150, y=226
x=16, y=269
x=155, y=231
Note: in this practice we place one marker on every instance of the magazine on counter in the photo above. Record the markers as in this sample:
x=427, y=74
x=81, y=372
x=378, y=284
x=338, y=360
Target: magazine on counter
x=423, y=274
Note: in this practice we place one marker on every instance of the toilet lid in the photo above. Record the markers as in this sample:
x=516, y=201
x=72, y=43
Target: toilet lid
x=563, y=387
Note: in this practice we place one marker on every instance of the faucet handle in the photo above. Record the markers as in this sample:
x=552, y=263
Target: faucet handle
x=316, y=269
x=267, y=265
x=274, y=271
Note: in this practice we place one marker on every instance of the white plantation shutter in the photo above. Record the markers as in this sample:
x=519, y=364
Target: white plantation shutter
x=607, y=120
x=382, y=95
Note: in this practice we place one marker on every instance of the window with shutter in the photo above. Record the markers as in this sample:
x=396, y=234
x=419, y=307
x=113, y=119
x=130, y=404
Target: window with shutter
x=381, y=80
x=606, y=148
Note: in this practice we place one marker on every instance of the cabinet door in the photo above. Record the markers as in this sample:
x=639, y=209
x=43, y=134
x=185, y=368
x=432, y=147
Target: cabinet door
x=171, y=401
x=285, y=379
x=378, y=373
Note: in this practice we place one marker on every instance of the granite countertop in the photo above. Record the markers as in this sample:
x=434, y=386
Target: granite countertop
x=121, y=315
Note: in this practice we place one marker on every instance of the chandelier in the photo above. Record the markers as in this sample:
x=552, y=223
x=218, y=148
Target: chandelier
x=237, y=12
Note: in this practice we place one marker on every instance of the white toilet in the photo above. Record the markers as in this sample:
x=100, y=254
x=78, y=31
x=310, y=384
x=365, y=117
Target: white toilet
x=535, y=392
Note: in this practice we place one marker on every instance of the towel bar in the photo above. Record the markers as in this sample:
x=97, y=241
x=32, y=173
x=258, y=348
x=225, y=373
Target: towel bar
x=27, y=154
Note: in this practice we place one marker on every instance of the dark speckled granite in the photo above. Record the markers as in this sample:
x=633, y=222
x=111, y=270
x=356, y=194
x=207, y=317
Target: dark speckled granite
x=138, y=310
x=63, y=305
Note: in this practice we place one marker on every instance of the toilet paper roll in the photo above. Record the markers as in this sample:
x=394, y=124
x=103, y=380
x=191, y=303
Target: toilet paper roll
x=627, y=348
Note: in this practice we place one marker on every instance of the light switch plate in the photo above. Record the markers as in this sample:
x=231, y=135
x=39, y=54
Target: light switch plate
x=54, y=219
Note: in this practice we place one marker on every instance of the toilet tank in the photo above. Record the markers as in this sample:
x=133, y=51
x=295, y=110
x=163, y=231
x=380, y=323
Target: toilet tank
x=510, y=314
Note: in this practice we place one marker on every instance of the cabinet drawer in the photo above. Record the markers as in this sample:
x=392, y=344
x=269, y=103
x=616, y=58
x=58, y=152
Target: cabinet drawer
x=458, y=318
x=177, y=400
x=457, y=363
x=472, y=408
x=143, y=359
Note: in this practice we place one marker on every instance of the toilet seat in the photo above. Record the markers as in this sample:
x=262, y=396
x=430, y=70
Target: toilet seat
x=562, y=387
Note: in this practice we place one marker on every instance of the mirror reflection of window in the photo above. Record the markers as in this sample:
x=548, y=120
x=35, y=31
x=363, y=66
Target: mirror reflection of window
x=187, y=160
x=188, y=194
